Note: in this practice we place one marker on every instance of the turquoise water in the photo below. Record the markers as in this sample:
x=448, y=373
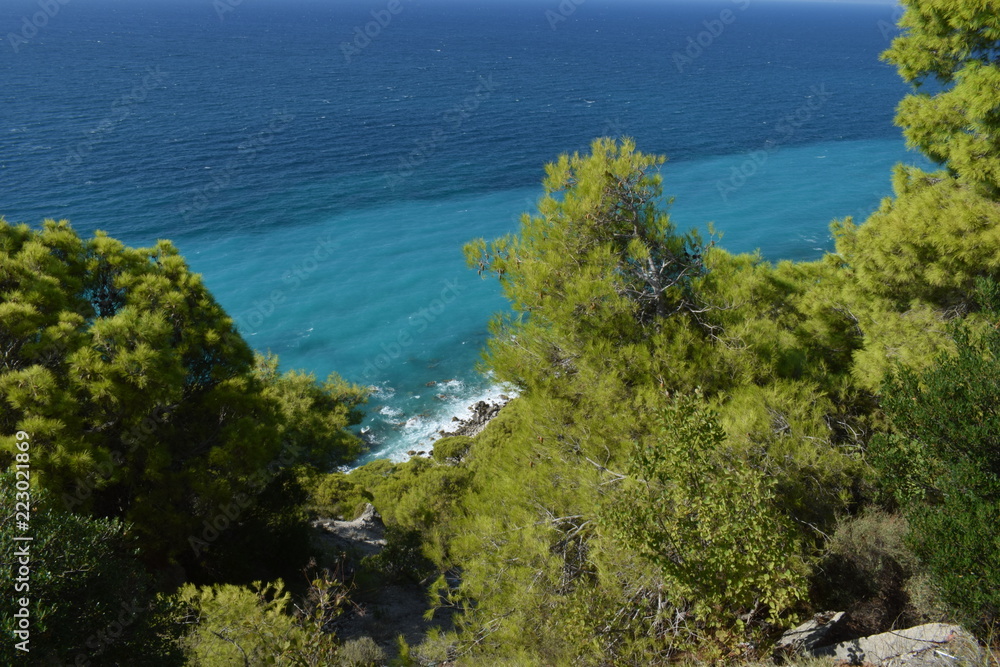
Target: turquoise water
x=326, y=199
x=400, y=310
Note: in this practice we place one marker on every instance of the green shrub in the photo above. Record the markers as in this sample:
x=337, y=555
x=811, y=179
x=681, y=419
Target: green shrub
x=89, y=594
x=362, y=652
x=940, y=460
x=452, y=449
x=233, y=625
x=338, y=495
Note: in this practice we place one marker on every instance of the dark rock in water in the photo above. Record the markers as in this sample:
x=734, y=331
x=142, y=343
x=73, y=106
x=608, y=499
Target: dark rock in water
x=482, y=413
x=432, y=383
x=412, y=452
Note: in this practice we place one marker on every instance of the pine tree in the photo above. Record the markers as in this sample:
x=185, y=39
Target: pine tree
x=953, y=45
x=141, y=399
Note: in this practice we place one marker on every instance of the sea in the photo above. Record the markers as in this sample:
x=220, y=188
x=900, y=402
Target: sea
x=322, y=162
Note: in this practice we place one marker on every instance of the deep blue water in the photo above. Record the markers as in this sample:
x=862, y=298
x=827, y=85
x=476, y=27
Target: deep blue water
x=324, y=180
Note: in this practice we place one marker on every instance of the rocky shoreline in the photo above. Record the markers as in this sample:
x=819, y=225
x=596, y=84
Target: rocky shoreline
x=482, y=413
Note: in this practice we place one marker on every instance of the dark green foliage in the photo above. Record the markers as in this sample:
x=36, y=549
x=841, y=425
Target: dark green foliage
x=273, y=529
x=959, y=543
x=871, y=572
x=141, y=399
x=953, y=409
x=402, y=560
x=941, y=461
x=91, y=600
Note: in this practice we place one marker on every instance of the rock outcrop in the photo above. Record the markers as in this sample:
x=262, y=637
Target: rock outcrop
x=930, y=645
x=817, y=631
x=364, y=535
x=383, y=613
x=482, y=413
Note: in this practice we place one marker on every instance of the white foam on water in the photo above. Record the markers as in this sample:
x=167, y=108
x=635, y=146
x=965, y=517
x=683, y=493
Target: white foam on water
x=417, y=433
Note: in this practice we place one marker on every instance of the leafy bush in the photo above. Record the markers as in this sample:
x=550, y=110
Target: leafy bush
x=338, y=495
x=142, y=400
x=708, y=519
x=940, y=459
x=232, y=625
x=362, y=652
x=90, y=596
